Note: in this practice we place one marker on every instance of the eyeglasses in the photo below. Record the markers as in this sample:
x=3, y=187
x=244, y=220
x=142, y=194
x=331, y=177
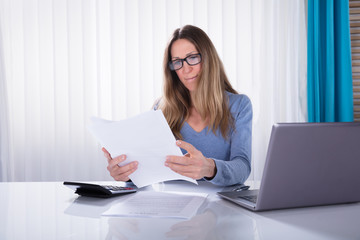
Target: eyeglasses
x=192, y=60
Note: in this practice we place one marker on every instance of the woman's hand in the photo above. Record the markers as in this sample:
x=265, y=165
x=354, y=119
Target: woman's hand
x=117, y=172
x=193, y=164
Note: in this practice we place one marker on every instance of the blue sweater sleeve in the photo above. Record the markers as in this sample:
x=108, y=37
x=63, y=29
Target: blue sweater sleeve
x=237, y=168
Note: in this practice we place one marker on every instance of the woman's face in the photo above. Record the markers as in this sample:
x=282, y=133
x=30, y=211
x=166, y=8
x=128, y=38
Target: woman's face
x=188, y=74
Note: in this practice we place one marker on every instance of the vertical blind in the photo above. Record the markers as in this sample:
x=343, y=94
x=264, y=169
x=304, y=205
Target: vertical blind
x=66, y=61
x=354, y=7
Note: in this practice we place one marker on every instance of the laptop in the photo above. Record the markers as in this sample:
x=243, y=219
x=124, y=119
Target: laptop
x=307, y=164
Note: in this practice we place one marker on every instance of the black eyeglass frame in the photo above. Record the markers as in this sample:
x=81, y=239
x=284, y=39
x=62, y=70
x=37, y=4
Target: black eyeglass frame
x=171, y=66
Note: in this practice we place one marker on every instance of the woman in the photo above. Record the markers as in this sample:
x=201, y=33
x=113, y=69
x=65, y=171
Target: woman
x=210, y=119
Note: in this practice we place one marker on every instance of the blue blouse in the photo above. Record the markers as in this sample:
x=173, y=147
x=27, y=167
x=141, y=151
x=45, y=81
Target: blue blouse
x=232, y=156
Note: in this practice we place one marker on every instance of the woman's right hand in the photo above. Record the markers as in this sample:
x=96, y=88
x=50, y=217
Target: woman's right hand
x=117, y=172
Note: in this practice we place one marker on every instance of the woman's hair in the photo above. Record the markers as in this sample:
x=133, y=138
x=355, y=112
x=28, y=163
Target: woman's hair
x=210, y=99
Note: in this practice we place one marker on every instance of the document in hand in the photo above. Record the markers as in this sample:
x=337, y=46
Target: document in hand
x=146, y=138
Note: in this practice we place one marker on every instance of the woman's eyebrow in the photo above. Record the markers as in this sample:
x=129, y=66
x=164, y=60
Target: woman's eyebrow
x=188, y=54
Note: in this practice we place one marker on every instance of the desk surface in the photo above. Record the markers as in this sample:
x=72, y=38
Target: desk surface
x=49, y=210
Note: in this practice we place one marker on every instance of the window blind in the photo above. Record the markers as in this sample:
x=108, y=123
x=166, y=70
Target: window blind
x=66, y=61
x=354, y=7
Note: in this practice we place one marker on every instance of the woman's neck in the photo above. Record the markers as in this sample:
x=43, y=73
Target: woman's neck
x=195, y=120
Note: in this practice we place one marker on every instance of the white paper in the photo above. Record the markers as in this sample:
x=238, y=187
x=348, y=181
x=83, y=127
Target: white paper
x=146, y=138
x=159, y=204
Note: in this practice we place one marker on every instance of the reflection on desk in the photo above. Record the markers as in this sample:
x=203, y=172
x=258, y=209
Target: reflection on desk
x=49, y=210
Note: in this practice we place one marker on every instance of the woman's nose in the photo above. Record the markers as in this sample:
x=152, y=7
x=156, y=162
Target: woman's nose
x=186, y=67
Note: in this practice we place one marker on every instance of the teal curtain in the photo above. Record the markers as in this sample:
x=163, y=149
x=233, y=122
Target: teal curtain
x=330, y=96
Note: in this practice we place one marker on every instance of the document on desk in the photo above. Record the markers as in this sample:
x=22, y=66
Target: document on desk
x=159, y=204
x=146, y=138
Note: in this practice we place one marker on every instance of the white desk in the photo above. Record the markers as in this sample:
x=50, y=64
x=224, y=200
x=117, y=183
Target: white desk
x=50, y=210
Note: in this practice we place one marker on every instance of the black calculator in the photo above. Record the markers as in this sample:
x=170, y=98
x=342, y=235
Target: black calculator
x=95, y=190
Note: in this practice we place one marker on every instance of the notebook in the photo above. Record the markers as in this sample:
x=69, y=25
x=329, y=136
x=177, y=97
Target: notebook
x=307, y=164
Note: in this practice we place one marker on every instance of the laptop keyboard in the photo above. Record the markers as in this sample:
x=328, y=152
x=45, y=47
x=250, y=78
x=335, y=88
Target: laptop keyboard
x=252, y=198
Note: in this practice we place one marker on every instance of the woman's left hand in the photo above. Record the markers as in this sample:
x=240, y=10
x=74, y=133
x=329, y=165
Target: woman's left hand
x=193, y=164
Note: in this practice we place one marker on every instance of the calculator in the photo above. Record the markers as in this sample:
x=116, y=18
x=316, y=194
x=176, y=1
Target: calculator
x=95, y=190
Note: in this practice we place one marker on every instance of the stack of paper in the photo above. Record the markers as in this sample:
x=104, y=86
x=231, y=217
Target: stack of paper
x=146, y=138
x=159, y=204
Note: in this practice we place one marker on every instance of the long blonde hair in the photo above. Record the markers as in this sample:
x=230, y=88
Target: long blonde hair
x=210, y=99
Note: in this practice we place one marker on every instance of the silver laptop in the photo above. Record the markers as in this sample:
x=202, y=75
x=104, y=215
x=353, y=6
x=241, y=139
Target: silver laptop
x=307, y=164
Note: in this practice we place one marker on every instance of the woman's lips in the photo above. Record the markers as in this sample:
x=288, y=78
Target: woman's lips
x=191, y=78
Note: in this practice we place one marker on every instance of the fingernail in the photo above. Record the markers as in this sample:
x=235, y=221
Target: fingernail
x=123, y=157
x=166, y=164
x=178, y=142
